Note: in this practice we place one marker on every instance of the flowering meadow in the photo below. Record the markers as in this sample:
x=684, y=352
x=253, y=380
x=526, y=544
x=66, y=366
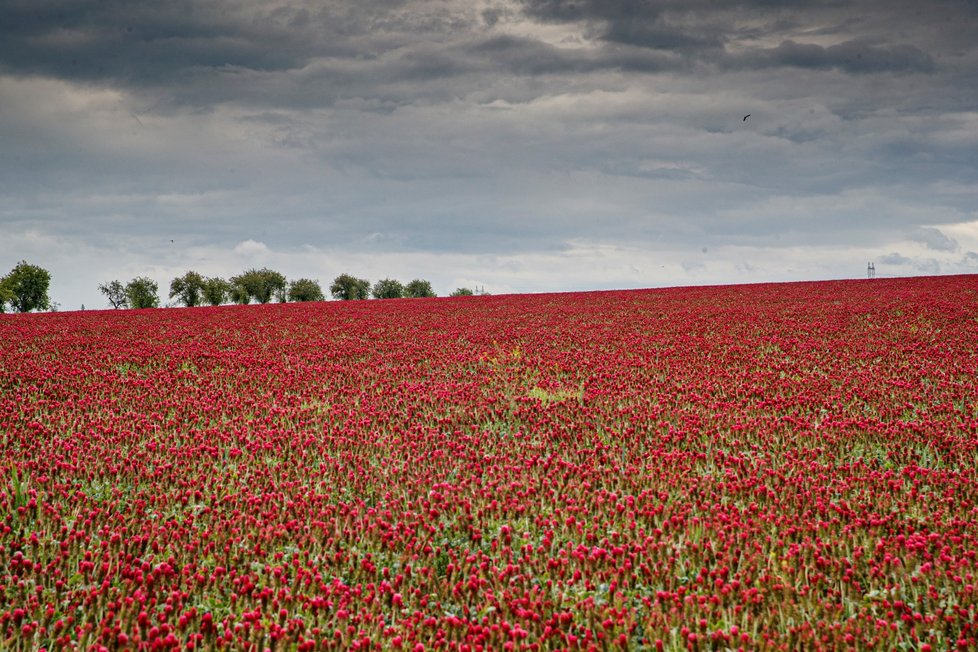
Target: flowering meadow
x=766, y=467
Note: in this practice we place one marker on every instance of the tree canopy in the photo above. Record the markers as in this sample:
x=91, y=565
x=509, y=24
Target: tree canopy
x=462, y=292
x=25, y=288
x=418, y=289
x=216, y=291
x=115, y=292
x=142, y=292
x=388, y=288
x=305, y=289
x=238, y=294
x=188, y=289
x=6, y=294
x=261, y=285
x=346, y=288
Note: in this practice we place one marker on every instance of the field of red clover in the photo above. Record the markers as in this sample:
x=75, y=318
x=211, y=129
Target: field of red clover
x=766, y=467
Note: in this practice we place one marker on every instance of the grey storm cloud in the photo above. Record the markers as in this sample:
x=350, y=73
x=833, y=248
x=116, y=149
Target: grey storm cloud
x=895, y=258
x=933, y=239
x=145, y=42
x=200, y=53
x=200, y=48
x=850, y=56
x=903, y=263
x=869, y=35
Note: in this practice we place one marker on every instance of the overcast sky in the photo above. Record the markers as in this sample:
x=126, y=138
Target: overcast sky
x=519, y=145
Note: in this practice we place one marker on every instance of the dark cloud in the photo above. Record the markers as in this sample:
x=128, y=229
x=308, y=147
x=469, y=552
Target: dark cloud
x=138, y=42
x=895, y=258
x=314, y=53
x=903, y=263
x=527, y=56
x=632, y=22
x=933, y=239
x=867, y=35
x=185, y=53
x=851, y=56
x=491, y=16
x=663, y=36
x=133, y=42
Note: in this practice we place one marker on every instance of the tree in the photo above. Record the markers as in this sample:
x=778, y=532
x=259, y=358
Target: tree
x=305, y=289
x=142, y=292
x=418, y=289
x=261, y=284
x=6, y=293
x=388, y=289
x=115, y=292
x=188, y=289
x=462, y=292
x=25, y=288
x=346, y=287
x=216, y=291
x=238, y=294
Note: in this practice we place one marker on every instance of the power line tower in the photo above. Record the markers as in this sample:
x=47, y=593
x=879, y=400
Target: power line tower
x=871, y=270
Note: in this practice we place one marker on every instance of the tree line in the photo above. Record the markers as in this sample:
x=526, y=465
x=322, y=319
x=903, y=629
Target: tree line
x=25, y=289
x=259, y=286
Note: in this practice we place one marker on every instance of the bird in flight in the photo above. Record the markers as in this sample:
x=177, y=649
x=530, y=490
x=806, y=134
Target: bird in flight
x=745, y=117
